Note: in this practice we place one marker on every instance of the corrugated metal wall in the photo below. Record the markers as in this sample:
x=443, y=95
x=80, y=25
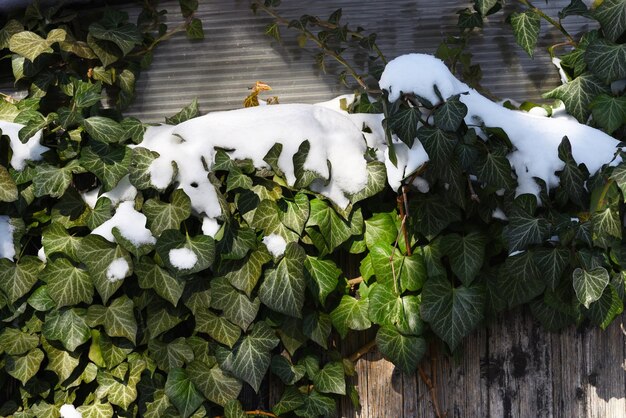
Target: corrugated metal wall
x=236, y=53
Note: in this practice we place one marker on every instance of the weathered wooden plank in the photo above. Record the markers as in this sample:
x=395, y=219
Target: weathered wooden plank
x=569, y=398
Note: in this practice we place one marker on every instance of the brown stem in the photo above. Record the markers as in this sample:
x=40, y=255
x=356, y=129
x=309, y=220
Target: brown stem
x=355, y=281
x=255, y=412
x=473, y=194
x=431, y=389
x=362, y=351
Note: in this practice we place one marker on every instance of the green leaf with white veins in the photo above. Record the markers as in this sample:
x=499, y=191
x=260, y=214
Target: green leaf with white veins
x=526, y=27
x=67, y=285
x=402, y=350
x=244, y=274
x=452, y=312
x=182, y=392
x=612, y=17
x=252, y=356
x=606, y=226
x=333, y=228
x=466, y=254
x=404, y=124
x=68, y=326
x=125, y=36
x=283, y=287
x=268, y=217
x=60, y=361
x=495, y=169
x=524, y=230
x=606, y=60
x=119, y=320
x=385, y=305
x=162, y=318
x=438, y=144
x=578, y=95
x=23, y=368
x=104, y=129
x=14, y=342
x=56, y=239
x=139, y=168
x=186, y=113
x=589, y=285
x=202, y=247
x=376, y=181
x=54, y=181
x=285, y=370
x=483, y=6
x=170, y=355
x=450, y=114
x=351, y=313
x=96, y=410
x=297, y=213
x=8, y=188
x=215, y=384
x=331, y=379
x=573, y=177
x=162, y=216
x=381, y=228
x=408, y=271
x=218, y=327
x=29, y=45
x=108, y=163
x=552, y=263
x=520, y=279
x=237, y=307
x=16, y=279
x=151, y=276
x=322, y=276
x=609, y=112
x=317, y=326
x=101, y=258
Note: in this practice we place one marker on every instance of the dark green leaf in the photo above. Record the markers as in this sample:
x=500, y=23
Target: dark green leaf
x=331, y=379
x=23, y=368
x=182, y=392
x=194, y=29
x=606, y=60
x=124, y=36
x=612, y=17
x=402, y=350
x=466, y=254
x=609, y=112
x=151, y=276
x=526, y=26
x=322, y=276
x=237, y=307
x=108, y=163
x=573, y=177
x=252, y=356
x=552, y=263
x=216, y=385
x=494, y=169
x=16, y=279
x=283, y=287
x=519, y=279
x=351, y=313
x=524, y=230
x=186, y=113
x=68, y=327
x=604, y=310
x=483, y=6
x=578, y=95
x=104, y=129
x=67, y=285
x=404, y=124
x=450, y=114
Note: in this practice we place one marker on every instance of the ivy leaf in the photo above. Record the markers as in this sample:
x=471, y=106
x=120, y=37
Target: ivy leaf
x=8, y=188
x=402, y=350
x=297, y=213
x=96, y=410
x=450, y=114
x=483, y=6
x=283, y=287
x=381, y=228
x=452, y=312
x=333, y=229
x=244, y=274
x=317, y=404
x=612, y=17
x=606, y=60
x=237, y=307
x=431, y=213
x=119, y=320
x=606, y=226
x=56, y=239
x=267, y=217
x=98, y=254
x=162, y=216
x=139, y=168
x=252, y=356
x=331, y=379
x=171, y=355
x=107, y=52
x=68, y=327
x=108, y=163
x=589, y=284
x=182, y=392
x=162, y=319
x=495, y=169
x=15, y=342
x=67, y=285
x=376, y=181
x=186, y=113
x=16, y=279
x=29, y=45
x=404, y=124
x=233, y=409
x=524, y=230
x=218, y=327
x=609, y=112
x=604, y=310
x=526, y=28
x=286, y=372
x=317, y=326
x=194, y=29
x=202, y=246
x=466, y=254
x=23, y=368
x=351, y=313
x=384, y=304
x=134, y=129
x=124, y=36
x=60, y=362
x=104, y=129
x=520, y=279
x=54, y=181
x=573, y=177
x=290, y=400
x=439, y=145
x=322, y=276
x=578, y=94
x=552, y=263
x=151, y=276
x=216, y=385
x=575, y=8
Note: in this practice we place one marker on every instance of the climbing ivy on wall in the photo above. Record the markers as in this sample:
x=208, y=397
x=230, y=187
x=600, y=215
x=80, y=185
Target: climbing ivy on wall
x=159, y=338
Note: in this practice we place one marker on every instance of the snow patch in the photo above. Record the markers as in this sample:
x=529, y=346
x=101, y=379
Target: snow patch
x=122, y=192
x=131, y=224
x=68, y=411
x=90, y=197
x=535, y=138
x=41, y=254
x=32, y=150
x=183, y=258
x=117, y=270
x=210, y=226
x=275, y=244
x=7, y=249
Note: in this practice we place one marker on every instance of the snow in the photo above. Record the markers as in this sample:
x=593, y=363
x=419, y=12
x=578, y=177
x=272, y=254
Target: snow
x=275, y=244
x=557, y=63
x=32, y=150
x=535, y=138
x=90, y=197
x=130, y=223
x=68, y=411
x=117, y=269
x=499, y=214
x=249, y=134
x=210, y=226
x=41, y=254
x=7, y=249
x=183, y=258
x=122, y=192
